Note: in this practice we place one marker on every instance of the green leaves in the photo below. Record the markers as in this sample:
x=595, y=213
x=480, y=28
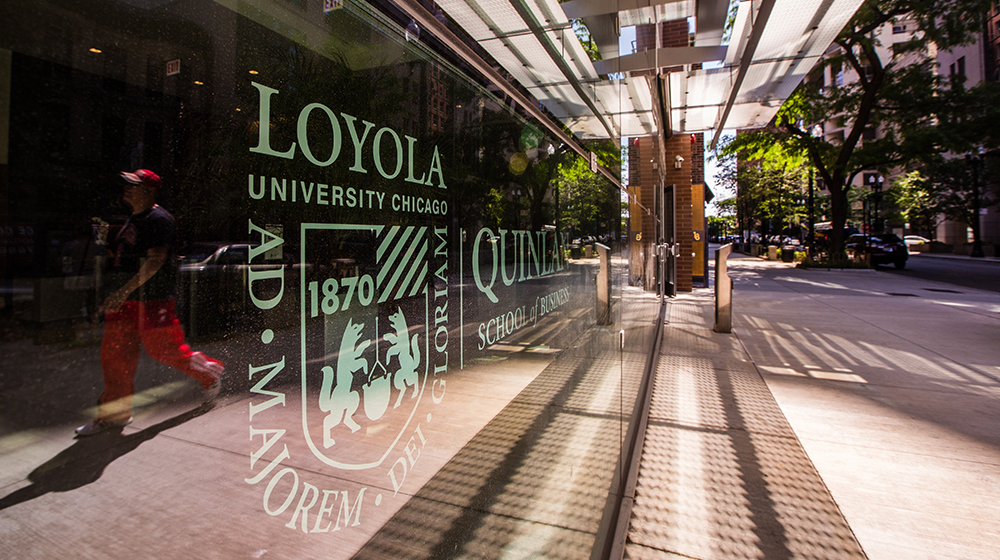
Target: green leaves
x=588, y=198
x=882, y=102
x=769, y=178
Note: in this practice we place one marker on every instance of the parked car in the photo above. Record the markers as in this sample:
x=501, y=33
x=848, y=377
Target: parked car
x=213, y=292
x=878, y=248
x=912, y=240
x=822, y=234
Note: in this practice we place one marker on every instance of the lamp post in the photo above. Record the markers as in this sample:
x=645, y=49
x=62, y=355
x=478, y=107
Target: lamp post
x=875, y=182
x=812, y=218
x=817, y=133
x=975, y=161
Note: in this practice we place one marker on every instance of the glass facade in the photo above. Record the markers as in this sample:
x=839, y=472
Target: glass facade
x=428, y=351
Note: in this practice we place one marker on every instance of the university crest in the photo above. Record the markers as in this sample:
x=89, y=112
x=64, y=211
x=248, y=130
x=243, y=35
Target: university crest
x=365, y=339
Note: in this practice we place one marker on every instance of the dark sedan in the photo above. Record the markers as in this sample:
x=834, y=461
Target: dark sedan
x=878, y=248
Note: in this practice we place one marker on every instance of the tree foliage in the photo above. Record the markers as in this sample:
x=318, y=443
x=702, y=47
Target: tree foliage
x=586, y=39
x=726, y=207
x=919, y=113
x=959, y=191
x=953, y=188
x=914, y=196
x=725, y=222
x=770, y=192
x=588, y=200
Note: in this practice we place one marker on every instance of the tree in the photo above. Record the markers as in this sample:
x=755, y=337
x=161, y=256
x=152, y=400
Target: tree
x=587, y=199
x=914, y=195
x=726, y=208
x=959, y=192
x=769, y=191
x=538, y=180
x=725, y=222
x=919, y=113
x=586, y=39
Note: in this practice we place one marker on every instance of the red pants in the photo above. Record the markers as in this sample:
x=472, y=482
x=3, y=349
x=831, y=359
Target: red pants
x=154, y=324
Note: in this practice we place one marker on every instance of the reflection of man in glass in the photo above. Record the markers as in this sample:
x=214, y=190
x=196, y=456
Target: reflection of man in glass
x=140, y=307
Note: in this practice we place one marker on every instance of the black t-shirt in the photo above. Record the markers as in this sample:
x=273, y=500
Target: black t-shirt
x=143, y=231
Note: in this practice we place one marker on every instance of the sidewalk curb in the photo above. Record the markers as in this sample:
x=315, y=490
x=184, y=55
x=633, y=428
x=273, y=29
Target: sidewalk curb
x=947, y=256
x=821, y=269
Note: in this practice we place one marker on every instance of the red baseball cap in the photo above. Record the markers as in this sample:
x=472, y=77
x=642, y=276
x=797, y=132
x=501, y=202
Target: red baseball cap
x=142, y=177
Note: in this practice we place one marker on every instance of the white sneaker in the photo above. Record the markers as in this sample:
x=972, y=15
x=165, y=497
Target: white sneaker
x=203, y=364
x=98, y=426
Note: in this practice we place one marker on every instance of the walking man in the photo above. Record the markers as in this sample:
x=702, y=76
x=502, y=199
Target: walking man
x=140, y=308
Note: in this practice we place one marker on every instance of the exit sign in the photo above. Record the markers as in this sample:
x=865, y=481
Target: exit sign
x=173, y=67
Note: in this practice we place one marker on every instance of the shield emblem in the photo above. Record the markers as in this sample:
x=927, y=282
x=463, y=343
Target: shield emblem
x=365, y=306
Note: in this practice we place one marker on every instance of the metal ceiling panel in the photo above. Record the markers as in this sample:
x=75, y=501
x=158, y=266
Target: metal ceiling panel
x=498, y=15
x=786, y=34
x=547, y=59
x=710, y=22
x=629, y=103
x=791, y=40
x=751, y=115
x=534, y=42
x=586, y=127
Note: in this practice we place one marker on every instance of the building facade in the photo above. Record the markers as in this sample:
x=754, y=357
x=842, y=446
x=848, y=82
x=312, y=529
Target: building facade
x=414, y=367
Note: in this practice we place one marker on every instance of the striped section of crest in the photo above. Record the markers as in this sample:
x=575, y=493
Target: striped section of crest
x=401, y=252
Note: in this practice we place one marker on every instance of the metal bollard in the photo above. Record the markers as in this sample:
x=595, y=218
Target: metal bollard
x=723, y=291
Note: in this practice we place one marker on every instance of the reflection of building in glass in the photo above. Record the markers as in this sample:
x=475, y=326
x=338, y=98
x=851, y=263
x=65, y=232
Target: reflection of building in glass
x=438, y=109
x=326, y=175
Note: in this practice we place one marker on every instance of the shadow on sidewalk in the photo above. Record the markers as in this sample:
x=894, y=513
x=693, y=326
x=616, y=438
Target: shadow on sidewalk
x=722, y=474
x=534, y=481
x=84, y=462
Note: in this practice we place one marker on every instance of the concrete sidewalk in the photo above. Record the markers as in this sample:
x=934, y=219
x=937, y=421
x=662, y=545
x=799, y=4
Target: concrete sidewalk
x=850, y=414
x=845, y=404
x=722, y=474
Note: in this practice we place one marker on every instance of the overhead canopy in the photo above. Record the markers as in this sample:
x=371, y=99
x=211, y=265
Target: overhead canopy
x=774, y=45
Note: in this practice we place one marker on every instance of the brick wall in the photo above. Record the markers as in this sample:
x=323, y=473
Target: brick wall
x=643, y=231
x=673, y=33
x=641, y=222
x=634, y=172
x=681, y=178
x=697, y=159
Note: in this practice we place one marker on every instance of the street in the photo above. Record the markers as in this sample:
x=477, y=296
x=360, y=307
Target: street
x=984, y=275
x=893, y=398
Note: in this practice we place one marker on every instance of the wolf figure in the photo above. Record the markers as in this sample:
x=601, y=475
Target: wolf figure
x=339, y=401
x=408, y=350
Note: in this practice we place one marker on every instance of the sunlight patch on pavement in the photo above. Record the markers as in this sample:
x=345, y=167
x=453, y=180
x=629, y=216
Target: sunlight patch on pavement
x=18, y=440
x=816, y=374
x=524, y=347
x=981, y=306
x=151, y=395
x=692, y=485
x=953, y=303
x=829, y=285
x=531, y=545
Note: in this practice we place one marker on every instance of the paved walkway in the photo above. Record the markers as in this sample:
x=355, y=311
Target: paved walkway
x=722, y=474
x=850, y=413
